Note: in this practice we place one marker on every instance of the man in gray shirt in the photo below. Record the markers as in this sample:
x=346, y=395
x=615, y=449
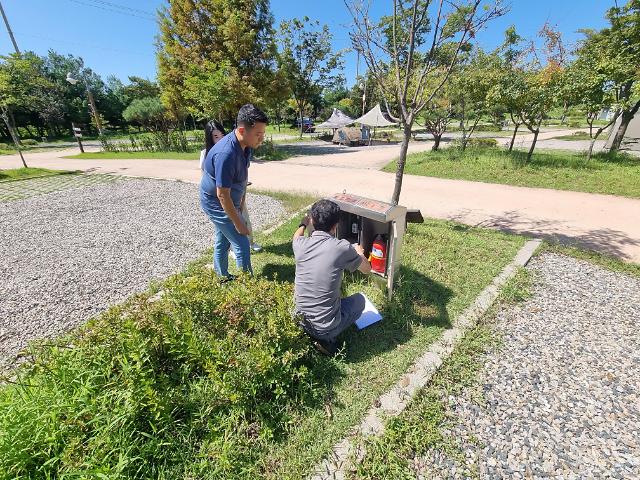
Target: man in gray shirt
x=320, y=261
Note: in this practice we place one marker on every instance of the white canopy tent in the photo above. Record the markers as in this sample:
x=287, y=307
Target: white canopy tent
x=374, y=118
x=337, y=119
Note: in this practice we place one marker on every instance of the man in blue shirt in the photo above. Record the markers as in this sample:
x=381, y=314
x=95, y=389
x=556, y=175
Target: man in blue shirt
x=223, y=185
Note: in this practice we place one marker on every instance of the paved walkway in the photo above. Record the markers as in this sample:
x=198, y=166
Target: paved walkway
x=601, y=222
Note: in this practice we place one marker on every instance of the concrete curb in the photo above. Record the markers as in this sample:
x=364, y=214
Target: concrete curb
x=392, y=403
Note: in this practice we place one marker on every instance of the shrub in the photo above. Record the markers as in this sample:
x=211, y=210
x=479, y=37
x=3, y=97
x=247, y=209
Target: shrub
x=5, y=146
x=29, y=142
x=191, y=384
x=482, y=142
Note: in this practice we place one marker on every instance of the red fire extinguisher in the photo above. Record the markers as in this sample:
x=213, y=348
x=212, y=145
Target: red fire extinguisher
x=378, y=257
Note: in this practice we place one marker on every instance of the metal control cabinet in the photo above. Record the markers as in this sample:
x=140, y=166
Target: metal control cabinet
x=361, y=219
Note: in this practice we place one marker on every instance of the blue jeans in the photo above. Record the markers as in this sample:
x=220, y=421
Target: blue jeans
x=226, y=236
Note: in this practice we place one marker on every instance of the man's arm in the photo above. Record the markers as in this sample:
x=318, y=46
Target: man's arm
x=302, y=227
x=365, y=266
x=224, y=195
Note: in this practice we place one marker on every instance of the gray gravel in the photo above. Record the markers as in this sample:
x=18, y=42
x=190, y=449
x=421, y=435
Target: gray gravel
x=560, y=399
x=67, y=256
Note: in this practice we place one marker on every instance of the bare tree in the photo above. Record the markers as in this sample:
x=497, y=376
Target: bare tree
x=421, y=39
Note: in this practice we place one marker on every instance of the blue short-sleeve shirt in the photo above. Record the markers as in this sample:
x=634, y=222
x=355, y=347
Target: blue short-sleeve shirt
x=225, y=166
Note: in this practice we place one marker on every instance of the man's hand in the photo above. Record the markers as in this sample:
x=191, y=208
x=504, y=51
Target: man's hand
x=242, y=228
x=358, y=248
x=306, y=220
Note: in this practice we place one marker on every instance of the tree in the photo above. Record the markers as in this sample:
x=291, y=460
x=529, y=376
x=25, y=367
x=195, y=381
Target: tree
x=148, y=112
x=615, y=53
x=307, y=60
x=233, y=38
x=589, y=88
x=534, y=84
x=437, y=116
x=21, y=83
x=470, y=85
x=404, y=51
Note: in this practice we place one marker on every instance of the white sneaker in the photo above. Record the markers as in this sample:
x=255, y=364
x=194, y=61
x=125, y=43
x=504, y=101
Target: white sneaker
x=256, y=247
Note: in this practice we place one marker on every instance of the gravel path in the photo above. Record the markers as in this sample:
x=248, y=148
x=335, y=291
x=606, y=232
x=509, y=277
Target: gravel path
x=68, y=255
x=561, y=398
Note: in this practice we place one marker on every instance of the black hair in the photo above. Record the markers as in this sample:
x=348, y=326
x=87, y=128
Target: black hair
x=249, y=115
x=208, y=131
x=325, y=214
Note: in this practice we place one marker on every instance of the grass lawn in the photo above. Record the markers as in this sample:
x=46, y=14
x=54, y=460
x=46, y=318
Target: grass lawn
x=200, y=385
x=562, y=170
x=24, y=173
x=578, y=136
x=139, y=155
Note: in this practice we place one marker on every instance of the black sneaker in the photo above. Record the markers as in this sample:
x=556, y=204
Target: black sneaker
x=228, y=278
x=325, y=347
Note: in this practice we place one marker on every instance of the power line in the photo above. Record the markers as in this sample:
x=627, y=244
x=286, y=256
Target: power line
x=123, y=7
x=121, y=12
x=81, y=44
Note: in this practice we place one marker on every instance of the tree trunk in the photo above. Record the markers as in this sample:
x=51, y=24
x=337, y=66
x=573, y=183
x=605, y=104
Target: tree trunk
x=401, y=162
x=533, y=144
x=513, y=137
x=301, y=123
x=436, y=144
x=624, y=123
x=590, y=151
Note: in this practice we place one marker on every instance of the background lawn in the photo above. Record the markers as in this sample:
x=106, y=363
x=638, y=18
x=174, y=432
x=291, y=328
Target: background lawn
x=141, y=155
x=24, y=173
x=561, y=170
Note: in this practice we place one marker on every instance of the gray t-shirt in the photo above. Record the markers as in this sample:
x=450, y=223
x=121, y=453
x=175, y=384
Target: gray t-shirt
x=320, y=260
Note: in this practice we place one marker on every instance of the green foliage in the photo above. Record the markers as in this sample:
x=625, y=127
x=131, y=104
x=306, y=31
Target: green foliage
x=157, y=141
x=197, y=38
x=307, y=60
x=29, y=142
x=148, y=112
x=191, y=385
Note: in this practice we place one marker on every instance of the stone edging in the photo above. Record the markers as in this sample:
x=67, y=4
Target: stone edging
x=392, y=403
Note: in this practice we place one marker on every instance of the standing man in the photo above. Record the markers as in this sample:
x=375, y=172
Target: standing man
x=223, y=187
x=320, y=261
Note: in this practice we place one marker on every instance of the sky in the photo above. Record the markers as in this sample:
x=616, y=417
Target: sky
x=121, y=42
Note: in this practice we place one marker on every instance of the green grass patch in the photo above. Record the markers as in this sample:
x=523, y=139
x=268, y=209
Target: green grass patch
x=138, y=155
x=609, y=174
x=24, y=173
x=216, y=381
x=575, y=136
x=606, y=261
x=423, y=425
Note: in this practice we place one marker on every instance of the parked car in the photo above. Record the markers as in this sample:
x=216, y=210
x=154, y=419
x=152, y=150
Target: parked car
x=307, y=125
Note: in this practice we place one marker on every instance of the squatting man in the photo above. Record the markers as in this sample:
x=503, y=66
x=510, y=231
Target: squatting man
x=320, y=260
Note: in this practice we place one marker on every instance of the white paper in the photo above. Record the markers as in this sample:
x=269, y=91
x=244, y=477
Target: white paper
x=370, y=314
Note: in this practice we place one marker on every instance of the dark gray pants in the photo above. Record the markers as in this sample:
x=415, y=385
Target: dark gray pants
x=350, y=310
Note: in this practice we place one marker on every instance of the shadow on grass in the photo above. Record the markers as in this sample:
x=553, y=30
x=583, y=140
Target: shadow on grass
x=417, y=301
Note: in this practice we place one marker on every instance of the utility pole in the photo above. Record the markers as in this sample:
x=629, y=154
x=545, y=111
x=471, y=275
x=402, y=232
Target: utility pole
x=7, y=115
x=6, y=22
